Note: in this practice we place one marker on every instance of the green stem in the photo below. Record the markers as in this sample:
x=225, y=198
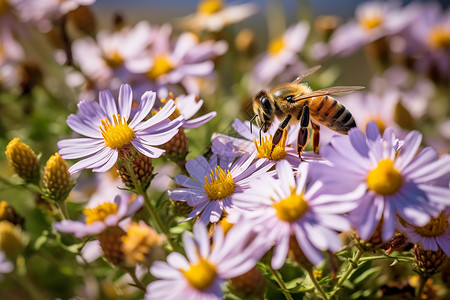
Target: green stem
x=419, y=290
x=138, y=187
x=136, y=280
x=350, y=269
x=316, y=284
x=63, y=210
x=378, y=257
x=280, y=283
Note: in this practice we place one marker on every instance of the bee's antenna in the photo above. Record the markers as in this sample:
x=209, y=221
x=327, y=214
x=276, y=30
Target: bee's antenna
x=251, y=122
x=260, y=129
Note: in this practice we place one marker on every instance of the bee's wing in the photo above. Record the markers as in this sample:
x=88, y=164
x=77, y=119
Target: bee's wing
x=328, y=91
x=306, y=74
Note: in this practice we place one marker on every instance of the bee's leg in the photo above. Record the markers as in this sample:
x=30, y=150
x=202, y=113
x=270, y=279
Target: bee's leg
x=279, y=133
x=316, y=136
x=303, y=133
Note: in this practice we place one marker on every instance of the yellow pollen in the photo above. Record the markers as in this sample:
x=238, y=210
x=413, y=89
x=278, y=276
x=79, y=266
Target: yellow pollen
x=201, y=275
x=436, y=227
x=117, y=135
x=290, y=209
x=385, y=179
x=209, y=7
x=161, y=66
x=372, y=21
x=226, y=226
x=439, y=37
x=100, y=213
x=221, y=184
x=265, y=149
x=276, y=46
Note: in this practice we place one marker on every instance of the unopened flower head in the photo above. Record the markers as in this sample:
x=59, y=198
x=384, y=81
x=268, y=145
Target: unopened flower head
x=23, y=161
x=207, y=266
x=12, y=238
x=397, y=182
x=108, y=130
x=214, y=185
x=111, y=243
x=7, y=213
x=57, y=181
x=99, y=218
x=295, y=207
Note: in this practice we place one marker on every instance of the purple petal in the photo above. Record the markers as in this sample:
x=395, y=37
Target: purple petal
x=146, y=104
x=107, y=103
x=125, y=100
x=194, y=123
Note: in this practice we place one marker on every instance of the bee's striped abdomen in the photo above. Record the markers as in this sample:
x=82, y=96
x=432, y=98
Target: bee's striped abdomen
x=331, y=113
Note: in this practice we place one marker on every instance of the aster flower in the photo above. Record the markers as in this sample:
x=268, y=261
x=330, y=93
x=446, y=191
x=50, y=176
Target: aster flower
x=187, y=106
x=207, y=267
x=182, y=62
x=214, y=15
x=289, y=207
x=108, y=131
x=281, y=53
x=215, y=185
x=396, y=182
x=99, y=218
x=232, y=147
x=105, y=58
x=432, y=236
x=374, y=20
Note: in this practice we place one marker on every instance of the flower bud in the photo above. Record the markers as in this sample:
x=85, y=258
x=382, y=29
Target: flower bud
x=141, y=244
x=111, y=243
x=23, y=161
x=249, y=285
x=142, y=167
x=7, y=213
x=428, y=262
x=57, y=180
x=178, y=147
x=12, y=238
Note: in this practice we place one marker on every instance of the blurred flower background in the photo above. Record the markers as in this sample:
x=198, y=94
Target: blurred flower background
x=155, y=97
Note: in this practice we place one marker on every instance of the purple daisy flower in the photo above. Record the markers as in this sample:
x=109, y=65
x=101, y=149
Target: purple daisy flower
x=187, y=106
x=286, y=207
x=397, y=182
x=107, y=129
x=206, y=268
x=434, y=235
x=104, y=215
x=215, y=185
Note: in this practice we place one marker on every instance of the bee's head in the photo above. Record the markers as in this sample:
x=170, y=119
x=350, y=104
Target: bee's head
x=264, y=110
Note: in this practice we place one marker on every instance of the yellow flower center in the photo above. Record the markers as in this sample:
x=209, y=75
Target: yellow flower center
x=209, y=7
x=436, y=227
x=276, y=46
x=139, y=242
x=385, y=179
x=371, y=21
x=439, y=37
x=113, y=59
x=201, y=275
x=290, y=209
x=226, y=226
x=161, y=66
x=100, y=213
x=221, y=184
x=117, y=135
x=265, y=149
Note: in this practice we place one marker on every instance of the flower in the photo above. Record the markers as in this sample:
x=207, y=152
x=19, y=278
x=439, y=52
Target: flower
x=182, y=62
x=108, y=131
x=281, y=53
x=432, y=236
x=396, y=182
x=288, y=206
x=213, y=15
x=201, y=275
x=215, y=185
x=374, y=20
x=99, y=218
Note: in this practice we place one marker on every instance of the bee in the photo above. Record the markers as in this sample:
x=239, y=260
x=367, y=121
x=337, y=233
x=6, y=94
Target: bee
x=296, y=102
